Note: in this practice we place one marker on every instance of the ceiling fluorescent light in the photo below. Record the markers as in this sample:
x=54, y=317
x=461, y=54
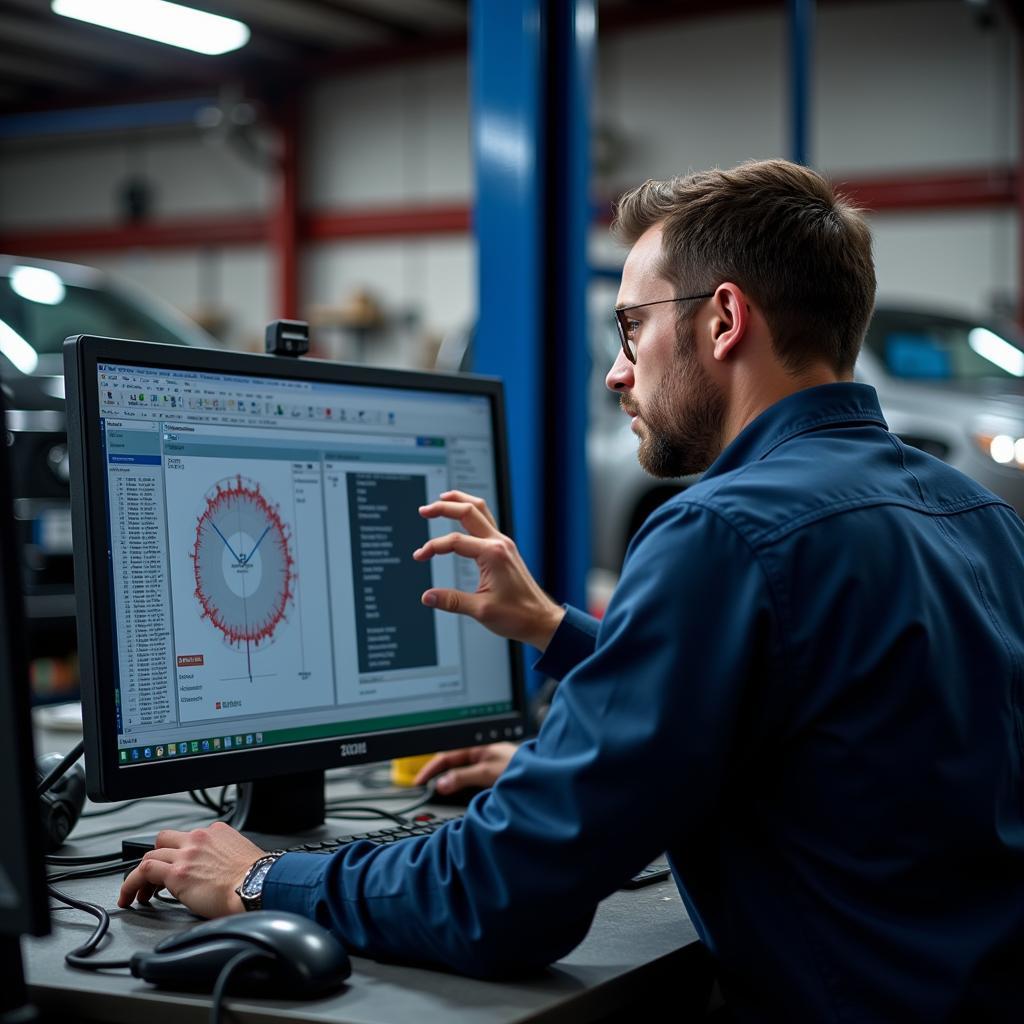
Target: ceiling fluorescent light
x=17, y=349
x=997, y=350
x=164, y=22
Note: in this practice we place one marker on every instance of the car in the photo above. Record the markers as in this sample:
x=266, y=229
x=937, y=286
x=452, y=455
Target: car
x=41, y=303
x=948, y=383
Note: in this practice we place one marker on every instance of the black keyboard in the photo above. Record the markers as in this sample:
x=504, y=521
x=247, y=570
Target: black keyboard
x=425, y=823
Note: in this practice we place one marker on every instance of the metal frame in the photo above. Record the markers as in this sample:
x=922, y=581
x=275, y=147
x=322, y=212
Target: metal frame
x=531, y=70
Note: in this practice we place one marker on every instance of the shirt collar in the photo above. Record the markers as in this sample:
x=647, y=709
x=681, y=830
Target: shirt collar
x=842, y=404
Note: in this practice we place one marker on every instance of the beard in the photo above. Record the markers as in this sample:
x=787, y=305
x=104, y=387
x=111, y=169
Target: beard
x=681, y=426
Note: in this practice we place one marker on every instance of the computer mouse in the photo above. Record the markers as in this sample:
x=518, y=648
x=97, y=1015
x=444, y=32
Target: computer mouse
x=302, y=959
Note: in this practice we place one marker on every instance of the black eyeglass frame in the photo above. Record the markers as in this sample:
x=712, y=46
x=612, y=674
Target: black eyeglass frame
x=620, y=320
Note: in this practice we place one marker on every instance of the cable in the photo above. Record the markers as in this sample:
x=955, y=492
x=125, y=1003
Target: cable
x=57, y=861
x=112, y=868
x=136, y=826
x=112, y=810
x=68, y=760
x=81, y=957
x=131, y=803
x=368, y=814
x=217, y=999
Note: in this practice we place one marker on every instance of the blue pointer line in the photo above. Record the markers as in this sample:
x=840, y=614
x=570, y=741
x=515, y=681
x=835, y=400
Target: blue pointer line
x=223, y=538
x=255, y=546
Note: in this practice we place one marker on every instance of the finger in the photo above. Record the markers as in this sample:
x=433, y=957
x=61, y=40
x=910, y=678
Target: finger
x=460, y=543
x=168, y=856
x=456, y=601
x=171, y=839
x=466, y=513
x=146, y=879
x=482, y=774
x=441, y=762
x=472, y=499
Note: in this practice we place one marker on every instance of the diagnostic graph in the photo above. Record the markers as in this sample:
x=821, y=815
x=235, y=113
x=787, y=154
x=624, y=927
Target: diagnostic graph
x=243, y=564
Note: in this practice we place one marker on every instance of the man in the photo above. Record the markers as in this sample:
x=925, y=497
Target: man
x=807, y=686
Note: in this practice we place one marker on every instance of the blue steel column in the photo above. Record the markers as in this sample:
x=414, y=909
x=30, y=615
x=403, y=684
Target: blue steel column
x=506, y=88
x=801, y=50
x=531, y=69
x=570, y=60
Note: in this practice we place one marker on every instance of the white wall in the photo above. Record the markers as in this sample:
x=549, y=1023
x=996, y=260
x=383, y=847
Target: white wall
x=902, y=86
x=899, y=88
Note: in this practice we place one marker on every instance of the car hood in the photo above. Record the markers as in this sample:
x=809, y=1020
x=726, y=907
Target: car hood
x=1002, y=397
x=34, y=392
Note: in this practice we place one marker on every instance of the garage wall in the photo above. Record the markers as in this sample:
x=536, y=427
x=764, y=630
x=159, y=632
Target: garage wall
x=905, y=86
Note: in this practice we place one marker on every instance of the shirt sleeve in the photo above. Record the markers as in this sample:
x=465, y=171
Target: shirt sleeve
x=631, y=759
x=573, y=641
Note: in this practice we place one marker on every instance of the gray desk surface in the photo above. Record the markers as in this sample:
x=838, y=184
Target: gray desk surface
x=640, y=940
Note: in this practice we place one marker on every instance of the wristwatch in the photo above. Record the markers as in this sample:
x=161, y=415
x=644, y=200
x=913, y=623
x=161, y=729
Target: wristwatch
x=250, y=891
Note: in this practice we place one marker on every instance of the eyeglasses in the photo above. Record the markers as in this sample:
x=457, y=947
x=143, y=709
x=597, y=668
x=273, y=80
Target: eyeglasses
x=627, y=326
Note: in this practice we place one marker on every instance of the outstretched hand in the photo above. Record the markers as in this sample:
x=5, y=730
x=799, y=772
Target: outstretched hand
x=472, y=766
x=508, y=600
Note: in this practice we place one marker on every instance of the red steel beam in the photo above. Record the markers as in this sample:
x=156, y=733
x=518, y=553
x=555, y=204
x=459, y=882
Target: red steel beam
x=406, y=220
x=985, y=187
x=185, y=233
x=994, y=187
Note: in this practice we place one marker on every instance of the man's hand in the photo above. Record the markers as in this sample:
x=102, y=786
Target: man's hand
x=200, y=868
x=472, y=766
x=508, y=600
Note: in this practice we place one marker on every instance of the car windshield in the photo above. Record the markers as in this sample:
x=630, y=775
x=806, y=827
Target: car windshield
x=42, y=310
x=922, y=347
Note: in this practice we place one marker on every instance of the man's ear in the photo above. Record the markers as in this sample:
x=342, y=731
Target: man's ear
x=730, y=318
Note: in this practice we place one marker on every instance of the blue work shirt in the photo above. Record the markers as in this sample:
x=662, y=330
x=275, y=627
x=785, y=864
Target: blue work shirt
x=807, y=688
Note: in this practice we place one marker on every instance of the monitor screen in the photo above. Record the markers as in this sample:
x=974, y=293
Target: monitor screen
x=252, y=521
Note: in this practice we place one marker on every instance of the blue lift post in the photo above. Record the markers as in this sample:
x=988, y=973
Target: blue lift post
x=530, y=75
x=801, y=52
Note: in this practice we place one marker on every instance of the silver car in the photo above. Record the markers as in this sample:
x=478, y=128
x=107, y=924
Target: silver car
x=949, y=385
x=41, y=303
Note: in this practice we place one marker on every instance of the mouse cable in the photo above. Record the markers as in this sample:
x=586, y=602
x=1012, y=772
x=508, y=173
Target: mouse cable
x=81, y=956
x=217, y=998
x=109, y=868
x=68, y=760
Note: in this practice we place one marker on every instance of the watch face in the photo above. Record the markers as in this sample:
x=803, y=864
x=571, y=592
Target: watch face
x=253, y=884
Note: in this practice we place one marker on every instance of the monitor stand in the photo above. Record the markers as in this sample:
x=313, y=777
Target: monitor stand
x=280, y=805
x=14, y=1005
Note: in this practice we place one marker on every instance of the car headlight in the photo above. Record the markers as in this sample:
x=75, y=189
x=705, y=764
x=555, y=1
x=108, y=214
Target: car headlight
x=1005, y=449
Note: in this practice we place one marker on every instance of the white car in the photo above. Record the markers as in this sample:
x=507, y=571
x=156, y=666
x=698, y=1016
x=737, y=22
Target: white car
x=41, y=303
x=949, y=385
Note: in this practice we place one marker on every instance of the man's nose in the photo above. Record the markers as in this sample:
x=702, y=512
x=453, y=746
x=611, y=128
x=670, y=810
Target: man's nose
x=620, y=376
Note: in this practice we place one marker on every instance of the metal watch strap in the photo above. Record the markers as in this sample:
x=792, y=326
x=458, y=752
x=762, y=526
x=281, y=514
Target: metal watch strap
x=255, y=901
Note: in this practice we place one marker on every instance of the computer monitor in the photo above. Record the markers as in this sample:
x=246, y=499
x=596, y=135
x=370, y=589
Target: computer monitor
x=248, y=605
x=24, y=905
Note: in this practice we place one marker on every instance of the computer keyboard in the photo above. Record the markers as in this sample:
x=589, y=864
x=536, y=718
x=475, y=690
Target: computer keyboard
x=425, y=823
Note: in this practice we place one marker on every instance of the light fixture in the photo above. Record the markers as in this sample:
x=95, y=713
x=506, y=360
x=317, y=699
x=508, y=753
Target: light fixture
x=36, y=284
x=1005, y=449
x=161, y=21
x=997, y=350
x=17, y=349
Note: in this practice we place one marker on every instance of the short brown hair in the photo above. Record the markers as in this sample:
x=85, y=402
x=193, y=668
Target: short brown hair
x=777, y=230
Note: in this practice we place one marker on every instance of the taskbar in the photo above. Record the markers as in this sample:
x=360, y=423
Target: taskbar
x=130, y=755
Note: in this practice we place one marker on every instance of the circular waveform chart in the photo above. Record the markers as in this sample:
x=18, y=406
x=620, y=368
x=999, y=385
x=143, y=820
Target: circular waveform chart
x=243, y=564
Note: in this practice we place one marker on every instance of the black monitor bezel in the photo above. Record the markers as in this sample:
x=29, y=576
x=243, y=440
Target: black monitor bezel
x=105, y=779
